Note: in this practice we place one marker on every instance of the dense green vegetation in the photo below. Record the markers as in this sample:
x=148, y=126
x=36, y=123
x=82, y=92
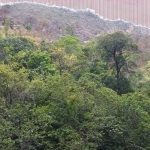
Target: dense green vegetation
x=68, y=96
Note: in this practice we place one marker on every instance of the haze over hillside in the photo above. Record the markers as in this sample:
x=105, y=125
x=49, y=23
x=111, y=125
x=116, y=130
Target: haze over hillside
x=55, y=21
x=136, y=11
x=51, y=23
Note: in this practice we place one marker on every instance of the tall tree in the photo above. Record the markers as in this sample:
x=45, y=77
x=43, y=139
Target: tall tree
x=120, y=52
x=6, y=27
x=67, y=54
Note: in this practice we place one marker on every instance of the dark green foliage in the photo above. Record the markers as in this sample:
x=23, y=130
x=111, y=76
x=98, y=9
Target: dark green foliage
x=40, y=62
x=119, y=52
x=16, y=44
x=7, y=26
x=70, y=30
x=28, y=27
x=62, y=96
x=122, y=84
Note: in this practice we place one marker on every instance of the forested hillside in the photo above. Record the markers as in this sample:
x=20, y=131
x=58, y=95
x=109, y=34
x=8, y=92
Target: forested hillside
x=68, y=96
x=71, y=81
x=50, y=23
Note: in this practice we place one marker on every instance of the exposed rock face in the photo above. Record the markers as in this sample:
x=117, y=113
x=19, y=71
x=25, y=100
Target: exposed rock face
x=60, y=21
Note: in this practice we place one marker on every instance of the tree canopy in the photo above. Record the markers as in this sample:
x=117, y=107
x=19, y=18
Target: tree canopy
x=119, y=51
x=69, y=96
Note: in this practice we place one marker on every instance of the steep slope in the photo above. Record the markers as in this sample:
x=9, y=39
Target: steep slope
x=54, y=22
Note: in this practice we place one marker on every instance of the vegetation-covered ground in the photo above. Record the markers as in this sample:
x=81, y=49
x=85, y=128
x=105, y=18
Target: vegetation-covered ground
x=50, y=23
x=68, y=96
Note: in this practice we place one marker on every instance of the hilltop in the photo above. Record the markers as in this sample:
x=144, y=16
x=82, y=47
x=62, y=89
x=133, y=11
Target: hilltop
x=55, y=21
x=52, y=22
